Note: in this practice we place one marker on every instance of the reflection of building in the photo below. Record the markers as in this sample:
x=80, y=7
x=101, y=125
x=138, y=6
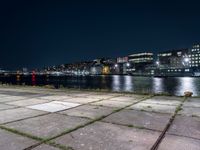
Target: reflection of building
x=173, y=59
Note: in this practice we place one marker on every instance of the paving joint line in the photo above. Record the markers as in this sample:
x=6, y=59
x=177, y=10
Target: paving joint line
x=58, y=112
x=88, y=123
x=162, y=135
x=131, y=126
x=70, y=130
x=2, y=124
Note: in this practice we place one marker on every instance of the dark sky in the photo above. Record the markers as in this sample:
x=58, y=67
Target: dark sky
x=37, y=33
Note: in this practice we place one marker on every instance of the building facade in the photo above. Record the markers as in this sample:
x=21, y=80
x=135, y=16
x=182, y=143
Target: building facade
x=173, y=59
x=139, y=61
x=173, y=63
x=194, y=56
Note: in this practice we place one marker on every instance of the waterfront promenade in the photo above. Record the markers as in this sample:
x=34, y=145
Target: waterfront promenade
x=35, y=118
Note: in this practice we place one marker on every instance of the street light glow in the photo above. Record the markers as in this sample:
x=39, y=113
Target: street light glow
x=186, y=59
x=157, y=62
x=128, y=64
x=116, y=65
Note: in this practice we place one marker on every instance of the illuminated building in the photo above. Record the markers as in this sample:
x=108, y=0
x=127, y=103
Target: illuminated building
x=122, y=59
x=194, y=56
x=173, y=59
x=106, y=70
x=174, y=63
x=139, y=61
x=141, y=58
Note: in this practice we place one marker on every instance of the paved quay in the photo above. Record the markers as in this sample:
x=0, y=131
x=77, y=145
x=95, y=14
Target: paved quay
x=34, y=118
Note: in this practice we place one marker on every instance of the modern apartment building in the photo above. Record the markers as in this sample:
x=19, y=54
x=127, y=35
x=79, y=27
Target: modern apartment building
x=140, y=61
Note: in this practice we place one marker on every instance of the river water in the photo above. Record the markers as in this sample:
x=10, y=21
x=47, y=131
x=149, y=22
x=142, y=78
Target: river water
x=125, y=83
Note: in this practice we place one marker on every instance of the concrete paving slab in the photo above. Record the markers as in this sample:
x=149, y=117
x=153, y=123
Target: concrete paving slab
x=48, y=125
x=79, y=94
x=54, y=106
x=162, y=102
x=153, y=107
x=134, y=95
x=179, y=143
x=154, y=121
x=45, y=147
x=81, y=100
x=192, y=103
x=17, y=114
x=12, y=98
x=3, y=95
x=186, y=126
x=4, y=106
x=190, y=111
x=109, y=103
x=55, y=97
x=88, y=111
x=16, y=92
x=169, y=98
x=193, y=98
x=105, y=136
x=11, y=141
x=101, y=96
x=27, y=102
x=126, y=99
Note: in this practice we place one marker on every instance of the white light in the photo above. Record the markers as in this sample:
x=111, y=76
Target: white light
x=157, y=62
x=116, y=65
x=128, y=64
x=186, y=60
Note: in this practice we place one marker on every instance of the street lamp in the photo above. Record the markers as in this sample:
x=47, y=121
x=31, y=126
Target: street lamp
x=116, y=65
x=128, y=64
x=186, y=59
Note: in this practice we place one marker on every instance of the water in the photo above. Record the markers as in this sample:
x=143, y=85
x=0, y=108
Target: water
x=170, y=85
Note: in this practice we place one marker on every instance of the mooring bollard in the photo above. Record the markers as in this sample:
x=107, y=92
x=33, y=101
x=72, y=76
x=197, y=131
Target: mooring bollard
x=188, y=94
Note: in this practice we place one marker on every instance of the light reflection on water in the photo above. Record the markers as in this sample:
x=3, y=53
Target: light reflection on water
x=186, y=84
x=171, y=85
x=158, y=85
x=116, y=83
x=128, y=83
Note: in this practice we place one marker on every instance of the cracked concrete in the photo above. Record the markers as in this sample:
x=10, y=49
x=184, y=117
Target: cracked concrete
x=85, y=120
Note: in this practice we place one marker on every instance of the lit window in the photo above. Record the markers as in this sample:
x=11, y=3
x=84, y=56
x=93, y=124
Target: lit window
x=187, y=70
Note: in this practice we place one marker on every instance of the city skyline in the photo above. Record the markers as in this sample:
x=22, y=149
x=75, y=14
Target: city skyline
x=154, y=56
x=35, y=34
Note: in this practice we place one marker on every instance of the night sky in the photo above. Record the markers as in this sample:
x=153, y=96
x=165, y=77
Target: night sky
x=35, y=34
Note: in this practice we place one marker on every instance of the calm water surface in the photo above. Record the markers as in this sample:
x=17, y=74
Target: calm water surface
x=171, y=85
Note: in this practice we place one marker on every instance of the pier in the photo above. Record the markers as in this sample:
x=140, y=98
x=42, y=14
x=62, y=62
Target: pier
x=36, y=118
